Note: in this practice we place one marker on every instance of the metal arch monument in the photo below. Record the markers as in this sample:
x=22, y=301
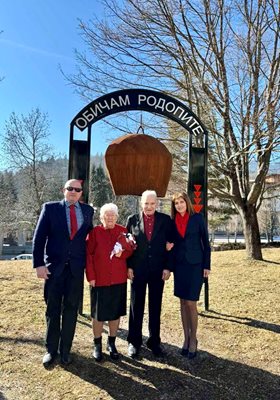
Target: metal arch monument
x=154, y=102
x=150, y=101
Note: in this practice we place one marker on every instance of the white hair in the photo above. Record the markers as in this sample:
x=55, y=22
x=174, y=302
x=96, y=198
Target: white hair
x=109, y=207
x=148, y=193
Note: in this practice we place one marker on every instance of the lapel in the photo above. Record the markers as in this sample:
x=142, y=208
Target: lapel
x=62, y=216
x=157, y=224
x=189, y=225
x=141, y=223
x=85, y=216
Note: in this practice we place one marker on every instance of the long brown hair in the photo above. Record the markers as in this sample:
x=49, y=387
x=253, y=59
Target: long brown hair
x=186, y=198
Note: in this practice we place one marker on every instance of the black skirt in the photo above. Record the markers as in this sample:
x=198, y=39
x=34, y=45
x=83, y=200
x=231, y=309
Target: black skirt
x=108, y=303
x=188, y=280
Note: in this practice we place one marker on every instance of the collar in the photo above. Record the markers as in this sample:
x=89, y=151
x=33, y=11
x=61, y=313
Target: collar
x=69, y=204
x=183, y=218
x=148, y=217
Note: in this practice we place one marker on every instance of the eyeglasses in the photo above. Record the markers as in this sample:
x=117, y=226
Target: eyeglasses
x=71, y=188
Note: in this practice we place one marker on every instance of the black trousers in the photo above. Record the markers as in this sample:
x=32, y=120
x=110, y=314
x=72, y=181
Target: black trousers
x=137, y=306
x=62, y=296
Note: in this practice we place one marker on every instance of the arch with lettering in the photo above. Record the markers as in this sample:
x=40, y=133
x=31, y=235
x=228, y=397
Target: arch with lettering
x=150, y=101
x=139, y=99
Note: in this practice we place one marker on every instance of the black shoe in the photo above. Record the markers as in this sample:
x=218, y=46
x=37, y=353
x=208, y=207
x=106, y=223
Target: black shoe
x=132, y=351
x=193, y=354
x=156, y=350
x=97, y=352
x=48, y=359
x=184, y=352
x=65, y=359
x=114, y=354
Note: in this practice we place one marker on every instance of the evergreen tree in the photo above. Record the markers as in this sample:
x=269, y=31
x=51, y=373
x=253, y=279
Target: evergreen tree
x=127, y=205
x=100, y=191
x=8, y=199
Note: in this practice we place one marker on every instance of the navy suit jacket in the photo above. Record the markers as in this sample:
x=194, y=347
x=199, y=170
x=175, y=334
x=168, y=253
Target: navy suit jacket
x=149, y=256
x=194, y=248
x=51, y=236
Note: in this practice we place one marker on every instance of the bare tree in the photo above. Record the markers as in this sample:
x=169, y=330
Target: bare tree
x=25, y=148
x=220, y=56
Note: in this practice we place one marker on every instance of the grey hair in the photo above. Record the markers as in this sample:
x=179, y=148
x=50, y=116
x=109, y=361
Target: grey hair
x=148, y=193
x=109, y=207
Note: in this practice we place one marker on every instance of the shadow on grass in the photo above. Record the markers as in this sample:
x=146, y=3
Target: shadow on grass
x=85, y=320
x=206, y=377
x=22, y=340
x=242, y=320
x=174, y=377
x=271, y=262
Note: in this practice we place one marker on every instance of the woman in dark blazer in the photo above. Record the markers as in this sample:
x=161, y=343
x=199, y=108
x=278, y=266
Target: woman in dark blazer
x=191, y=264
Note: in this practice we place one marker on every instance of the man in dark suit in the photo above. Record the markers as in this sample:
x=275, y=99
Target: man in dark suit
x=60, y=233
x=148, y=266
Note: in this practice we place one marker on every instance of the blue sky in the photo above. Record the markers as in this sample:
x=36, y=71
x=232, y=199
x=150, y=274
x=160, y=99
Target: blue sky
x=37, y=37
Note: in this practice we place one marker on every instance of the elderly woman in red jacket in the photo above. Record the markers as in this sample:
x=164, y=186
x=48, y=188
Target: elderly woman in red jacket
x=106, y=271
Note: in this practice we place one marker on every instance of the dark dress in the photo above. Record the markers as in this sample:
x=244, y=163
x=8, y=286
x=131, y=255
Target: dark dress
x=191, y=256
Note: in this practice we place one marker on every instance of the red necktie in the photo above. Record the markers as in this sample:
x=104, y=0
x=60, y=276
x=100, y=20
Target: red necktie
x=73, y=221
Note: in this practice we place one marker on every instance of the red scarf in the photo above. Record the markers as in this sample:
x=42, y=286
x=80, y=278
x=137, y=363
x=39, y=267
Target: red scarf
x=181, y=223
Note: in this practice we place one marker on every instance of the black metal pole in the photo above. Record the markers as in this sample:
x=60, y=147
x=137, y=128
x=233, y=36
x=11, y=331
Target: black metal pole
x=71, y=151
x=198, y=174
x=79, y=168
x=206, y=281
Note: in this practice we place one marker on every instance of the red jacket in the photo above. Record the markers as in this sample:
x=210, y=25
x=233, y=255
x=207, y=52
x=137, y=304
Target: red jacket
x=99, y=266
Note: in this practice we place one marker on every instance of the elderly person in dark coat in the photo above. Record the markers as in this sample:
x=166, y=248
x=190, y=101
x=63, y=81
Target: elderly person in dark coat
x=148, y=267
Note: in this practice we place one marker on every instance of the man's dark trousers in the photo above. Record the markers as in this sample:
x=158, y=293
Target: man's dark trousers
x=155, y=286
x=64, y=290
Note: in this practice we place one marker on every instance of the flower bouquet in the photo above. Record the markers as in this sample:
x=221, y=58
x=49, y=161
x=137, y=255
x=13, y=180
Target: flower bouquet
x=125, y=241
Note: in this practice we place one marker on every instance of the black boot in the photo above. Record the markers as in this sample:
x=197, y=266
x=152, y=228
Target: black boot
x=112, y=348
x=97, y=349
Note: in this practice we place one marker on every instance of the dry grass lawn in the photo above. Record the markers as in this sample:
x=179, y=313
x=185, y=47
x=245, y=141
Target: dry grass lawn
x=239, y=356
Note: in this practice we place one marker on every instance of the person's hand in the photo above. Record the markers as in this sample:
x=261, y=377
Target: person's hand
x=169, y=246
x=42, y=272
x=92, y=283
x=165, y=274
x=130, y=274
x=119, y=253
x=206, y=273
